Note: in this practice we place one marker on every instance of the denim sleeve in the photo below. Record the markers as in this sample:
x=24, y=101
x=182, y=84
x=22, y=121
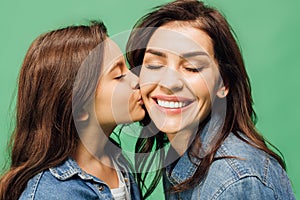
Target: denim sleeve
x=248, y=188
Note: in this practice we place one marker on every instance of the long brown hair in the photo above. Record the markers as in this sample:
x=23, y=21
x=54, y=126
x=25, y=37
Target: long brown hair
x=240, y=116
x=45, y=133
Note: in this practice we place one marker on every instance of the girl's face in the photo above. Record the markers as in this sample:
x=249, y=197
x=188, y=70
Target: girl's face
x=117, y=99
x=179, y=77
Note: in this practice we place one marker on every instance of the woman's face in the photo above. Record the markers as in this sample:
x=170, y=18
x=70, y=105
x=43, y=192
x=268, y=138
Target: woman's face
x=179, y=77
x=117, y=99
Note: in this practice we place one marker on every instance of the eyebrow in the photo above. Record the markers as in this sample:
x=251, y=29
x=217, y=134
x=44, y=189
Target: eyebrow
x=193, y=54
x=156, y=53
x=185, y=55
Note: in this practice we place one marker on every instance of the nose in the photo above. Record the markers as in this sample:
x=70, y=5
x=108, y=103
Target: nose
x=171, y=80
x=133, y=80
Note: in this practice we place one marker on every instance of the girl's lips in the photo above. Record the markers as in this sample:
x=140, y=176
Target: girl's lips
x=140, y=101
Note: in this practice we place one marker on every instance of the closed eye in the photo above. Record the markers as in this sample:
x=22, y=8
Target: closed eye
x=194, y=70
x=153, y=66
x=120, y=77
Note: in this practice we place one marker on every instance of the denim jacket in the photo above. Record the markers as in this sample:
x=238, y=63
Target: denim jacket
x=69, y=181
x=252, y=175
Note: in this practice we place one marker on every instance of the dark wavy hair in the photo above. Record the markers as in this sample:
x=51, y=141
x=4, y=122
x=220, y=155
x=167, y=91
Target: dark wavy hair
x=240, y=116
x=45, y=134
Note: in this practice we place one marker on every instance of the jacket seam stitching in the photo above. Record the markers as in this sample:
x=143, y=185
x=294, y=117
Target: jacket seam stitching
x=35, y=185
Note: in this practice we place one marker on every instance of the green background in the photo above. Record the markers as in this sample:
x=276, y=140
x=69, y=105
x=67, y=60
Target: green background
x=268, y=33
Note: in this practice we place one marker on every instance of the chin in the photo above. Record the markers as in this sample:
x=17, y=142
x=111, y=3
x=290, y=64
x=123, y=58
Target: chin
x=138, y=117
x=169, y=128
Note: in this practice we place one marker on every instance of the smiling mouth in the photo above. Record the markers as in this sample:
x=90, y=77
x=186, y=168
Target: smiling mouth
x=172, y=104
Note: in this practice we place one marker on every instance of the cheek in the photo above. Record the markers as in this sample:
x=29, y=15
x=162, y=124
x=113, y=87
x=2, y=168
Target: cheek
x=150, y=77
x=120, y=103
x=146, y=81
x=147, y=89
x=146, y=96
x=121, y=94
x=205, y=84
x=103, y=99
x=201, y=89
x=107, y=96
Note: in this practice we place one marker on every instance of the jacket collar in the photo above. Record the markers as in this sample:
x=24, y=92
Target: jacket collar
x=68, y=169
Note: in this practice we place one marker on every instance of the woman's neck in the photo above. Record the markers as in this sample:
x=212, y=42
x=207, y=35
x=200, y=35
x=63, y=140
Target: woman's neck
x=182, y=139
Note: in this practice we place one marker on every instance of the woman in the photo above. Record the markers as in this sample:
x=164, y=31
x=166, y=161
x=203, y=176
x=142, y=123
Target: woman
x=68, y=83
x=196, y=90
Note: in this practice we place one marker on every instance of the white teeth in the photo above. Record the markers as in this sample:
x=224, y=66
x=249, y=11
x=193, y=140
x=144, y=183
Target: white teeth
x=170, y=104
x=177, y=104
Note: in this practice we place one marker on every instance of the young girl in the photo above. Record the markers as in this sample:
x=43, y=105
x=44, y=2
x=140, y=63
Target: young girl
x=69, y=85
x=197, y=92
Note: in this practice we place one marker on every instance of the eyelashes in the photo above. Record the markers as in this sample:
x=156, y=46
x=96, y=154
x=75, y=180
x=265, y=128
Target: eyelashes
x=120, y=77
x=154, y=67
x=194, y=70
x=189, y=69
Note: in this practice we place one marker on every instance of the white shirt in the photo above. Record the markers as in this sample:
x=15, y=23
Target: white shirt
x=121, y=192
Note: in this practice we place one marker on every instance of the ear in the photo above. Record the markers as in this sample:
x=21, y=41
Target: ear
x=222, y=92
x=82, y=116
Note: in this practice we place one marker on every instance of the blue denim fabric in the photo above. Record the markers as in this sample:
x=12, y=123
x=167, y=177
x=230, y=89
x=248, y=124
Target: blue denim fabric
x=68, y=181
x=254, y=176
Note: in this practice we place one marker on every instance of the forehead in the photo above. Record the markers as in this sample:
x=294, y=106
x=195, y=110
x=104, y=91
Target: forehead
x=181, y=38
x=112, y=54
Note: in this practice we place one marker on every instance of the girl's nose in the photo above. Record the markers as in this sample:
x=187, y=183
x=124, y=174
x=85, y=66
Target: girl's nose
x=133, y=80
